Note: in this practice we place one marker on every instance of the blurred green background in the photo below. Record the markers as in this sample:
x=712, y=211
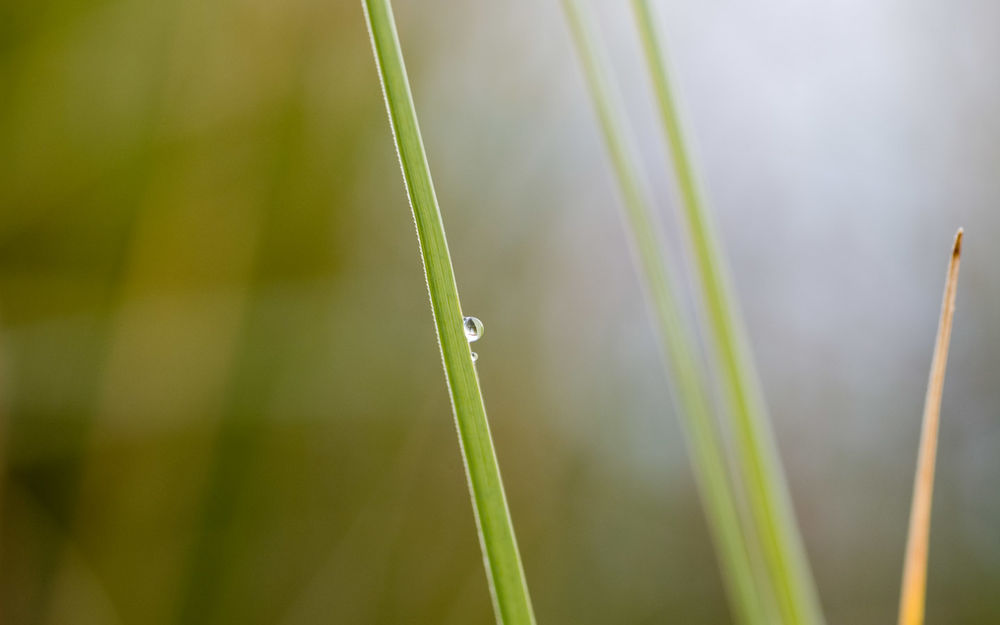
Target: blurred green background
x=220, y=393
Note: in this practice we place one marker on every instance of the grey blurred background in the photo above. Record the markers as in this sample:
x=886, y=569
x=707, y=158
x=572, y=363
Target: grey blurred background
x=222, y=400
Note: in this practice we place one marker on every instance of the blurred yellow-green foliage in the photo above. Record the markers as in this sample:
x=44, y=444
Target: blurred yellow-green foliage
x=221, y=398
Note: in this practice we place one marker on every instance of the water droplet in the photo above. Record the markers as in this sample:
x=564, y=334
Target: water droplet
x=475, y=356
x=473, y=329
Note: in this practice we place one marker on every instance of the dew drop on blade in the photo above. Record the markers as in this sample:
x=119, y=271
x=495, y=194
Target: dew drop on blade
x=475, y=356
x=473, y=329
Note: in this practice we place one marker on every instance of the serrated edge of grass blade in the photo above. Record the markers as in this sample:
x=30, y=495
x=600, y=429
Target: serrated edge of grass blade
x=914, y=587
x=505, y=573
x=760, y=465
x=690, y=391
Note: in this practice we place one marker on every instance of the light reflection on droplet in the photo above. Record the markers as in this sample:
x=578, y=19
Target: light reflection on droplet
x=473, y=329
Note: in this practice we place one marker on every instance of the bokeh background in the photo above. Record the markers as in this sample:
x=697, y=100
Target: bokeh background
x=222, y=400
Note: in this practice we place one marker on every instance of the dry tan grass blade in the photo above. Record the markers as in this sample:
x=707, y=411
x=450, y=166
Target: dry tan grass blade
x=912, y=598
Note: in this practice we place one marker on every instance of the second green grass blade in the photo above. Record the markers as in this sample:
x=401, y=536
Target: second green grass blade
x=759, y=463
x=496, y=533
x=749, y=602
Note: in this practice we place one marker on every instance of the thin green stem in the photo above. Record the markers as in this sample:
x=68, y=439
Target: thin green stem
x=496, y=533
x=759, y=462
x=704, y=441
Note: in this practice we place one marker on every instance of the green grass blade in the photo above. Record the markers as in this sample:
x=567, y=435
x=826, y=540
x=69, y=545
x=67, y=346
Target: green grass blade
x=690, y=391
x=759, y=463
x=496, y=533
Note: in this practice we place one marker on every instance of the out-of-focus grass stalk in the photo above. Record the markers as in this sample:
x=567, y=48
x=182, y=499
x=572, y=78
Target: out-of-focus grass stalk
x=496, y=533
x=759, y=464
x=913, y=595
x=690, y=390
